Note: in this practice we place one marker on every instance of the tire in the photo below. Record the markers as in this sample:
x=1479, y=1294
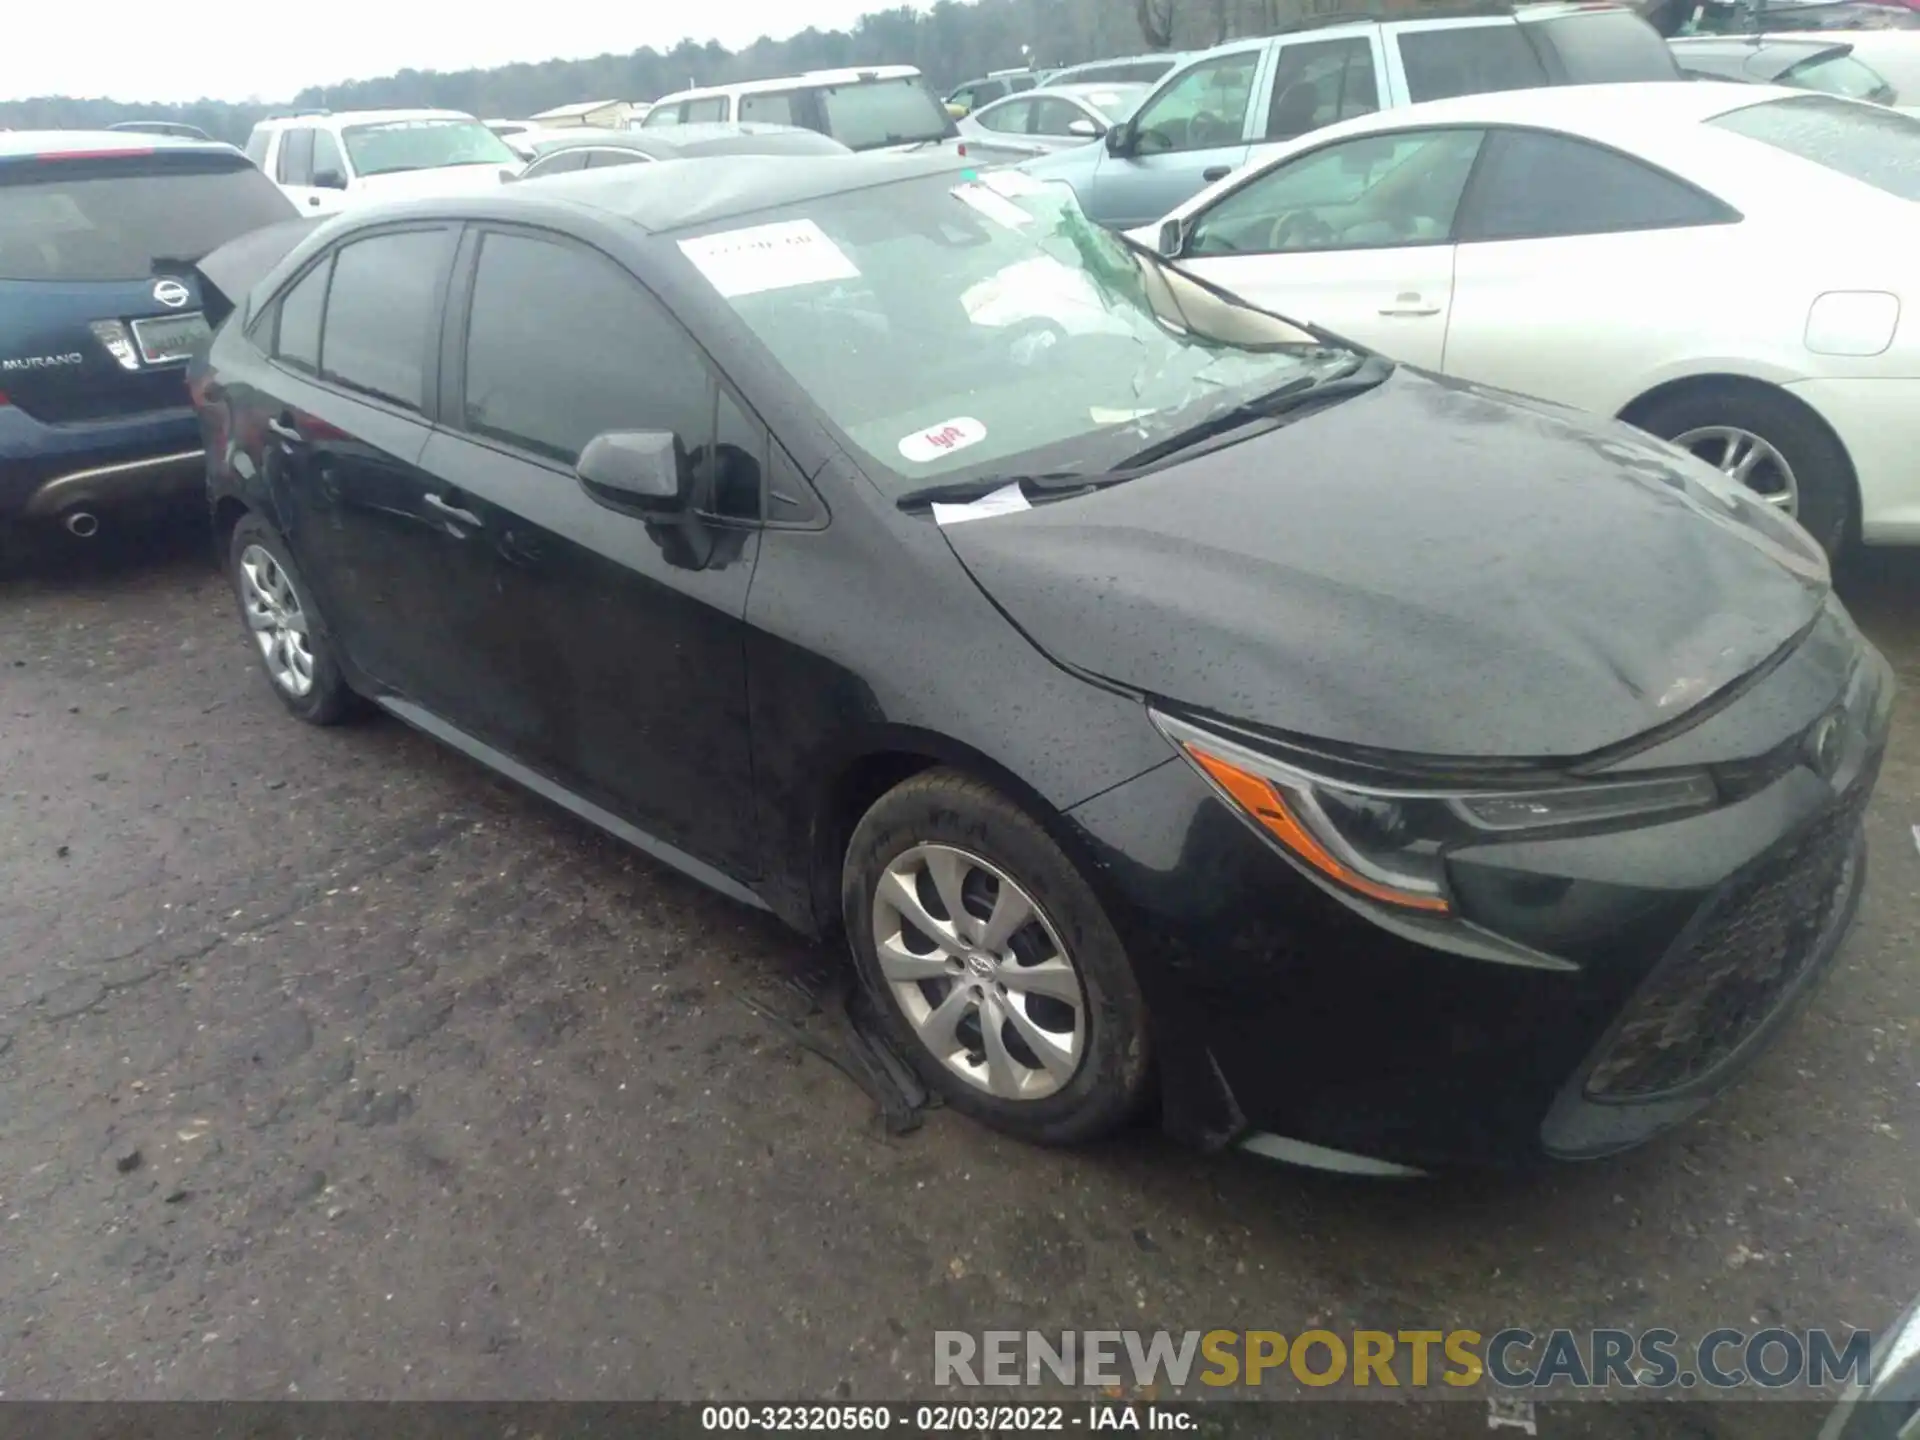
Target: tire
x=943, y=823
x=325, y=698
x=1828, y=505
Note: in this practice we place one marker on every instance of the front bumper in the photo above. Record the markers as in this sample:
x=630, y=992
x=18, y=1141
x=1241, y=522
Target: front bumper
x=1666, y=957
x=48, y=469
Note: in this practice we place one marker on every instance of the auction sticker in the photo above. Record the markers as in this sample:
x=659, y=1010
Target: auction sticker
x=769, y=257
x=925, y=446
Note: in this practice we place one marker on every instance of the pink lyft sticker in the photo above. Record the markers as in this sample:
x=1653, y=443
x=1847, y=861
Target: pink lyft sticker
x=943, y=439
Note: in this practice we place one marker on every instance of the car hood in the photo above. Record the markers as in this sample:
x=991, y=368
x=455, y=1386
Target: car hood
x=1429, y=567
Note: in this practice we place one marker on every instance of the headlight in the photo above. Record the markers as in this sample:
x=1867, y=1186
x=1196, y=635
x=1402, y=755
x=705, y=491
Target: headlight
x=1388, y=842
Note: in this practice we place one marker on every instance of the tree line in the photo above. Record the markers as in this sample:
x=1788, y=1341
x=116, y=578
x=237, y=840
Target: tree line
x=950, y=41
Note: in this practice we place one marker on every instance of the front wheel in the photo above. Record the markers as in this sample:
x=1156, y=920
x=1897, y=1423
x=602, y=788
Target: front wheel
x=1771, y=444
x=992, y=963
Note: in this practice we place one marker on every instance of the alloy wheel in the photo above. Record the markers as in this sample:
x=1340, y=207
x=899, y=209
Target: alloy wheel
x=277, y=620
x=979, y=972
x=1747, y=458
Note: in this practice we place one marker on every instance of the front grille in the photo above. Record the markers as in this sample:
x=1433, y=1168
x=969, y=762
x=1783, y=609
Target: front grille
x=1739, y=959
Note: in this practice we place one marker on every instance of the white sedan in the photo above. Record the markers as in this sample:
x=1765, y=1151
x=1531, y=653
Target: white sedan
x=1725, y=266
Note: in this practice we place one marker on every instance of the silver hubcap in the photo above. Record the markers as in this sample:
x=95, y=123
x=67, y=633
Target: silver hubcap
x=278, y=622
x=980, y=973
x=1743, y=456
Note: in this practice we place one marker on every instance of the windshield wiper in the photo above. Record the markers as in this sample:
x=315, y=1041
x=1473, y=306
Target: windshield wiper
x=1268, y=411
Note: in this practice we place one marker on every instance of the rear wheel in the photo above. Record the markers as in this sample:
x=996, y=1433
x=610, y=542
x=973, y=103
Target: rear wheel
x=1771, y=444
x=993, y=965
x=293, y=646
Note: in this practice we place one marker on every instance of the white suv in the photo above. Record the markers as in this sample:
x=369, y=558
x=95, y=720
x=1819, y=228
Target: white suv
x=325, y=162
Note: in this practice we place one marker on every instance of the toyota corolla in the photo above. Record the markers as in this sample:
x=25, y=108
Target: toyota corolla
x=1159, y=698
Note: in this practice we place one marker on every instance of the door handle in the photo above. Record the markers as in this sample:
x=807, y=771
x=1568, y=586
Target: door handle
x=284, y=430
x=314, y=200
x=1408, y=303
x=1216, y=172
x=453, y=512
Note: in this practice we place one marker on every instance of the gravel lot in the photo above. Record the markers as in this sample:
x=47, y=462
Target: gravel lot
x=332, y=1067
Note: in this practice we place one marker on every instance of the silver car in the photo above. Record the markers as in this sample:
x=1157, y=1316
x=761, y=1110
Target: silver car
x=1055, y=117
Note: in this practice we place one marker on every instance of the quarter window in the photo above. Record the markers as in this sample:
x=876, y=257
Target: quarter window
x=1205, y=107
x=298, y=339
x=1374, y=191
x=380, y=308
x=1468, y=60
x=1532, y=185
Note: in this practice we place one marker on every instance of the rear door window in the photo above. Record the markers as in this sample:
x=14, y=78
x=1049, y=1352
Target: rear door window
x=1531, y=185
x=601, y=159
x=112, y=218
x=704, y=112
x=1871, y=144
x=558, y=163
x=1468, y=60
x=771, y=107
x=1318, y=82
x=296, y=156
x=1053, y=116
x=1012, y=118
x=381, y=310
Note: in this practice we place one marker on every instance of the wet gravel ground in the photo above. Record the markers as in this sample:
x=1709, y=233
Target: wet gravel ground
x=332, y=1067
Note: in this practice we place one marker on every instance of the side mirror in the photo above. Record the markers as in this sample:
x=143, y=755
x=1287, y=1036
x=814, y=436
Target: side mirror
x=1084, y=127
x=329, y=180
x=1172, y=238
x=1120, y=140
x=643, y=471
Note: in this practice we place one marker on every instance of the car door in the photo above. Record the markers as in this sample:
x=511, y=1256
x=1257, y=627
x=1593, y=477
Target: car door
x=1356, y=237
x=344, y=441
x=1196, y=129
x=1580, y=268
x=616, y=643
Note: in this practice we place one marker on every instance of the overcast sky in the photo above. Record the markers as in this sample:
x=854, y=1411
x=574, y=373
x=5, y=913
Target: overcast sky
x=133, y=50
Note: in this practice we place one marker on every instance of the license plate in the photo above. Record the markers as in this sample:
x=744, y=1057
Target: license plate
x=166, y=338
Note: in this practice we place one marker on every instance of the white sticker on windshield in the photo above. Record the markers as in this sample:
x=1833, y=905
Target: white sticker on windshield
x=1004, y=501
x=939, y=441
x=994, y=206
x=768, y=257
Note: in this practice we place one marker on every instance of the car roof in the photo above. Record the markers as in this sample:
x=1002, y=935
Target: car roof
x=744, y=137
x=364, y=117
x=843, y=76
x=1171, y=57
x=657, y=199
x=1617, y=112
x=18, y=143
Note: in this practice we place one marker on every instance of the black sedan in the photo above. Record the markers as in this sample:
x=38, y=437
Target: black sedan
x=1160, y=698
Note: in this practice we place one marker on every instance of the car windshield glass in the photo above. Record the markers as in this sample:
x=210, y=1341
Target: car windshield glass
x=868, y=114
x=111, y=220
x=393, y=145
x=958, y=328
x=1868, y=143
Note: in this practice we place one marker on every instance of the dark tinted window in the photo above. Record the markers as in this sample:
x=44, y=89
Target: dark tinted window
x=1606, y=45
x=563, y=344
x=1532, y=184
x=1319, y=82
x=295, y=165
x=1468, y=60
x=1875, y=146
x=298, y=338
x=326, y=155
x=384, y=298
x=1840, y=75
x=111, y=219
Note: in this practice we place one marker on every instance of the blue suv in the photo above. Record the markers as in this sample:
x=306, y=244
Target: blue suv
x=100, y=308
